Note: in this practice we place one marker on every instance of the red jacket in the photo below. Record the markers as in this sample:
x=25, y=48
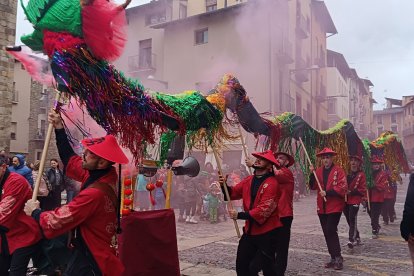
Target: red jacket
x=92, y=211
x=376, y=194
x=23, y=230
x=264, y=209
x=357, y=185
x=337, y=183
x=284, y=177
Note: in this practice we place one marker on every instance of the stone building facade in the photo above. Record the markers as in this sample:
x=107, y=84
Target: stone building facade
x=8, y=9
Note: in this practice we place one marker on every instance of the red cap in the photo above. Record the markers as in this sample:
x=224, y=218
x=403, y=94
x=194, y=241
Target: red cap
x=376, y=159
x=268, y=155
x=326, y=151
x=106, y=147
x=289, y=157
x=356, y=157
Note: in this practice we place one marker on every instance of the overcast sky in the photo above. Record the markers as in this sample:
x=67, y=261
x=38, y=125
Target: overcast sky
x=375, y=36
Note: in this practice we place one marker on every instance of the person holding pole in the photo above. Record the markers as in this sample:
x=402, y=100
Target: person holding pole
x=18, y=232
x=376, y=193
x=260, y=193
x=333, y=183
x=92, y=214
x=356, y=192
x=284, y=177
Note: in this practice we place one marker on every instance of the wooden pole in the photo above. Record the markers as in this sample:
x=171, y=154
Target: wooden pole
x=244, y=148
x=45, y=150
x=169, y=182
x=226, y=191
x=310, y=163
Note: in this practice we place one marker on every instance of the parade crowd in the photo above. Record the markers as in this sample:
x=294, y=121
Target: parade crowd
x=79, y=237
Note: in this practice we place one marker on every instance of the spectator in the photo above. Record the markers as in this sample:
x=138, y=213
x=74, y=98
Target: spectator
x=56, y=181
x=20, y=167
x=213, y=199
x=190, y=199
x=141, y=195
x=44, y=187
x=72, y=188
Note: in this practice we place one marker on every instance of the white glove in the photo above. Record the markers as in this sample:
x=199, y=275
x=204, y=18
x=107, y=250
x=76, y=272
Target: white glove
x=30, y=206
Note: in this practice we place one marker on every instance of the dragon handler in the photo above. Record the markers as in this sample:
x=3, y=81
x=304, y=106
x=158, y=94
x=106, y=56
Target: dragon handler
x=92, y=213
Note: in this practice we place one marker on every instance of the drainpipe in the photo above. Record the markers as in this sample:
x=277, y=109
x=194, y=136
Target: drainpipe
x=225, y=3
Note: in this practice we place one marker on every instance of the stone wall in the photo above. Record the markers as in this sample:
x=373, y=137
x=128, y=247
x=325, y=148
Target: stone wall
x=8, y=10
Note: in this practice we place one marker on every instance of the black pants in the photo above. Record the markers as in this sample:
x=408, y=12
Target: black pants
x=256, y=253
x=329, y=223
x=17, y=262
x=351, y=214
x=374, y=213
x=282, y=245
x=387, y=210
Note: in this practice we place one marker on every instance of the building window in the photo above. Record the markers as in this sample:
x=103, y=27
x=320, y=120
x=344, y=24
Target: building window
x=15, y=96
x=211, y=5
x=183, y=11
x=13, y=132
x=155, y=18
x=331, y=106
x=380, y=130
x=201, y=36
x=393, y=118
x=379, y=119
x=38, y=154
x=394, y=129
x=145, y=54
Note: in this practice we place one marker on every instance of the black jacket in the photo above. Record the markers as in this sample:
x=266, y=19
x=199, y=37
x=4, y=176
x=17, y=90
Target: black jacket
x=407, y=222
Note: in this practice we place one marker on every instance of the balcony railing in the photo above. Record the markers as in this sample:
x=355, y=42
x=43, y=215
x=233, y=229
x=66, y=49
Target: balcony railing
x=141, y=62
x=40, y=134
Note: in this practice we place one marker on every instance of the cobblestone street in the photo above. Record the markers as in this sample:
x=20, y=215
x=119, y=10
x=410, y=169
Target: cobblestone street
x=210, y=249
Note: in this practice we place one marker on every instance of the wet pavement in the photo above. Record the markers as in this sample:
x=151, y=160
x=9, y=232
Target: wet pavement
x=210, y=249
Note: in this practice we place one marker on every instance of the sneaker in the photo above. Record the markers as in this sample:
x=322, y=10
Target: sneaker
x=375, y=234
x=339, y=263
x=193, y=221
x=350, y=245
x=330, y=264
x=187, y=220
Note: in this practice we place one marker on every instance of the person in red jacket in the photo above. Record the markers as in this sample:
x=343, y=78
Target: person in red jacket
x=260, y=194
x=284, y=177
x=92, y=213
x=333, y=181
x=376, y=193
x=19, y=233
x=356, y=192
x=387, y=210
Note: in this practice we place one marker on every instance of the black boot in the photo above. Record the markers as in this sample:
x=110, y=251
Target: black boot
x=339, y=263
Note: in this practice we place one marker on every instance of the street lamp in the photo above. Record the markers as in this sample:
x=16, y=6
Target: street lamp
x=152, y=78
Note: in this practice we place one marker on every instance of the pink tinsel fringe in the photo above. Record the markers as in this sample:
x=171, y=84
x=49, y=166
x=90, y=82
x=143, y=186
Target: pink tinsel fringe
x=104, y=29
x=34, y=66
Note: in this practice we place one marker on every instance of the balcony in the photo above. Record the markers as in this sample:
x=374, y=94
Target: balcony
x=143, y=62
x=40, y=134
x=301, y=72
x=302, y=26
x=285, y=51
